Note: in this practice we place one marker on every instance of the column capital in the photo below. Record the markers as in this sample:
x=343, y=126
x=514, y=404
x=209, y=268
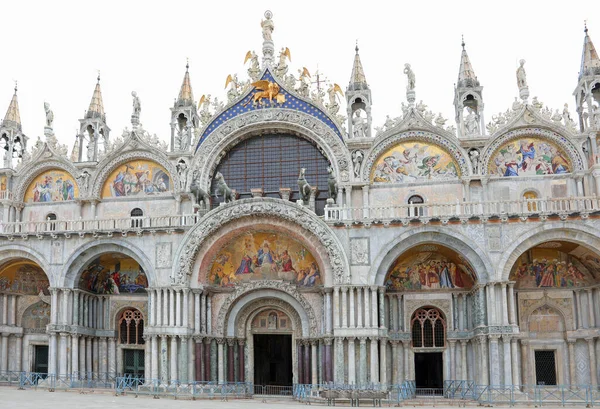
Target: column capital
x=394, y=342
x=162, y=336
x=198, y=338
x=506, y=337
x=17, y=335
x=571, y=341
x=406, y=343
x=362, y=340
x=207, y=340
x=241, y=342
x=326, y=290
x=374, y=288
x=328, y=341
x=220, y=341
x=344, y=289
x=185, y=290
x=381, y=290
x=463, y=342
x=452, y=342
x=503, y=285
x=351, y=338
x=374, y=338
x=339, y=340
x=590, y=340
x=197, y=291
x=494, y=338
x=525, y=342
x=230, y=342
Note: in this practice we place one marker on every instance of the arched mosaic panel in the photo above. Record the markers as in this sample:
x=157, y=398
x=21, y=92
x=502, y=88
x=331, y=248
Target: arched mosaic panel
x=264, y=255
x=413, y=161
x=113, y=274
x=137, y=178
x=51, y=186
x=23, y=277
x=430, y=267
x=556, y=265
x=529, y=156
x=36, y=316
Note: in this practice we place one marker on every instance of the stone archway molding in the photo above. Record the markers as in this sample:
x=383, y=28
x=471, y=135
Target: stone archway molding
x=246, y=294
x=16, y=251
x=433, y=235
x=300, y=215
x=247, y=314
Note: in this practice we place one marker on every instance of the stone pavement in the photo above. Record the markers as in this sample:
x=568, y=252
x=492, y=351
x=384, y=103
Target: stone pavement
x=11, y=397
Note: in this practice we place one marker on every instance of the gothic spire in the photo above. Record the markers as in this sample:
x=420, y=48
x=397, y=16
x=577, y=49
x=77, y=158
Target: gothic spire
x=590, y=62
x=13, y=117
x=466, y=74
x=96, y=108
x=357, y=78
x=186, y=96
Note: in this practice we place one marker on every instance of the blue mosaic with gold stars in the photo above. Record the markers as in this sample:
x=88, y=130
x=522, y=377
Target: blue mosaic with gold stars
x=246, y=105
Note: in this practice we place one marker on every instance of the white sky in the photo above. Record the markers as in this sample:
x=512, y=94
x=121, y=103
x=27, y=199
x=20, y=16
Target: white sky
x=54, y=49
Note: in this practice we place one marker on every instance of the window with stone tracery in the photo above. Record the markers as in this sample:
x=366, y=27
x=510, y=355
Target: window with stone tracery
x=131, y=327
x=428, y=328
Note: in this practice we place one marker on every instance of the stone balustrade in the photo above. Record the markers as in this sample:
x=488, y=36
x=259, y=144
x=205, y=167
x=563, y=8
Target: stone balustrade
x=444, y=212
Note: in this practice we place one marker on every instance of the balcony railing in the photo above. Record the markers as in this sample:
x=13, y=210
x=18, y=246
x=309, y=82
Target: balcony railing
x=129, y=224
x=466, y=210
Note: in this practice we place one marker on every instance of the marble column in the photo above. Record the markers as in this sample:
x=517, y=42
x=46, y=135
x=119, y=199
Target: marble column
x=484, y=359
x=504, y=301
x=525, y=362
x=103, y=348
x=328, y=311
x=147, y=356
x=507, y=378
x=383, y=360
x=452, y=343
x=339, y=363
x=395, y=364
x=63, y=360
x=172, y=322
x=365, y=190
x=374, y=364
x=230, y=360
x=400, y=363
x=327, y=359
x=463, y=360
x=492, y=304
x=578, y=306
x=178, y=313
x=203, y=313
x=344, y=291
x=207, y=360
x=164, y=360
x=208, y=313
x=454, y=313
x=400, y=314
x=352, y=323
x=53, y=307
x=381, y=292
x=351, y=360
x=307, y=362
x=592, y=317
x=158, y=318
x=4, y=353
x=359, y=308
x=76, y=295
x=18, y=352
x=336, y=307
x=572, y=368
x=299, y=356
x=514, y=355
x=512, y=310
x=462, y=314
x=75, y=355
x=407, y=361
x=199, y=358
x=362, y=363
x=593, y=367
x=374, y=308
x=174, y=373
x=367, y=306
x=494, y=360
x=220, y=361
x=197, y=311
x=186, y=307
x=89, y=358
x=392, y=321
x=52, y=353
x=183, y=358
x=241, y=359
x=4, y=319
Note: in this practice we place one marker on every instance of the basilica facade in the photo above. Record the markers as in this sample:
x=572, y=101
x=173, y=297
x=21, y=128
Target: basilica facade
x=279, y=239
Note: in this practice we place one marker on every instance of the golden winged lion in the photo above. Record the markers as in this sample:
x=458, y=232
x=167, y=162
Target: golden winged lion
x=268, y=90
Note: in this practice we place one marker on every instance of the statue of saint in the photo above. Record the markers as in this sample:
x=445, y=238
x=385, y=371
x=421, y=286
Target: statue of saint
x=137, y=107
x=472, y=122
x=358, y=125
x=521, y=75
x=267, y=26
x=411, y=77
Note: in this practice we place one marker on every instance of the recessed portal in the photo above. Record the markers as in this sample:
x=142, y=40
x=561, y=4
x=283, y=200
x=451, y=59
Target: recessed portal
x=133, y=362
x=429, y=370
x=545, y=367
x=272, y=359
x=40, y=359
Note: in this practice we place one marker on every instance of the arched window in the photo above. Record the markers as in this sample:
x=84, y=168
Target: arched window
x=428, y=328
x=418, y=210
x=136, y=217
x=271, y=162
x=530, y=197
x=131, y=327
x=51, y=221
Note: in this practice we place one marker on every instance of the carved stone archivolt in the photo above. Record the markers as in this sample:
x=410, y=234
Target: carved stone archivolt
x=38, y=166
x=563, y=142
x=299, y=215
x=387, y=142
x=109, y=165
x=241, y=290
x=230, y=133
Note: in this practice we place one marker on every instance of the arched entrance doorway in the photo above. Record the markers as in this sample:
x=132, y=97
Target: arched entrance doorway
x=428, y=327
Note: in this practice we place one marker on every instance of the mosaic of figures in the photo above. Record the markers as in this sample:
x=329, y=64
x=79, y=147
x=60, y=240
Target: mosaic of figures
x=529, y=156
x=3, y=184
x=137, y=178
x=551, y=265
x=262, y=255
x=36, y=316
x=113, y=274
x=413, y=161
x=430, y=267
x=52, y=186
x=272, y=320
x=23, y=277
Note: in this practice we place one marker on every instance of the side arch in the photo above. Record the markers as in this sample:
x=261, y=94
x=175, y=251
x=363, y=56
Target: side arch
x=34, y=169
x=584, y=235
x=422, y=235
x=17, y=251
x=335, y=264
x=83, y=255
